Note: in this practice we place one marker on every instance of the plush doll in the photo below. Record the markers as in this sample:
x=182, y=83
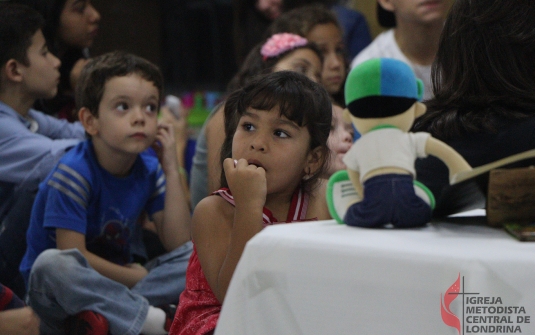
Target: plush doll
x=378, y=187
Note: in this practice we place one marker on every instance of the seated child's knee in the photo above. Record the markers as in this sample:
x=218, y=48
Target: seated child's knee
x=53, y=261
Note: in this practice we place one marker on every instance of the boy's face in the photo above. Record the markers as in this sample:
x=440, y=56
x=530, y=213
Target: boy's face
x=127, y=121
x=419, y=11
x=41, y=76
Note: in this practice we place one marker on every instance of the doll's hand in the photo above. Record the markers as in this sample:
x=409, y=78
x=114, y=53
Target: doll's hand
x=165, y=148
x=247, y=182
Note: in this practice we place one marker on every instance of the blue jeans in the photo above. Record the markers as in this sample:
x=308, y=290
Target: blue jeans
x=62, y=283
x=389, y=199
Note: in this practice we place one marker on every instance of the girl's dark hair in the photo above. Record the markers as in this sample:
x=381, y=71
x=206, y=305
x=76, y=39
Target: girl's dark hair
x=298, y=99
x=255, y=65
x=249, y=25
x=302, y=20
x=484, y=69
x=99, y=70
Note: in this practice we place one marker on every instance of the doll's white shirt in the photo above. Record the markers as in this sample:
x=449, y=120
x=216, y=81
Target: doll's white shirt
x=385, y=46
x=386, y=147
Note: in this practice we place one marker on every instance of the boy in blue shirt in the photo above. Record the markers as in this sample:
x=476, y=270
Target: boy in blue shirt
x=31, y=143
x=84, y=220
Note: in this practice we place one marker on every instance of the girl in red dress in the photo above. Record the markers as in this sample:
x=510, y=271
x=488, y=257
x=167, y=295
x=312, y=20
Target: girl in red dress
x=273, y=156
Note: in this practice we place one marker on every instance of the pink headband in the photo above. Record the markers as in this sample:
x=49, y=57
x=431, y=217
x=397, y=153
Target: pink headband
x=280, y=43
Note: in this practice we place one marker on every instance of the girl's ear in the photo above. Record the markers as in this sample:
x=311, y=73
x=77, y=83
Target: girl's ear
x=88, y=120
x=315, y=160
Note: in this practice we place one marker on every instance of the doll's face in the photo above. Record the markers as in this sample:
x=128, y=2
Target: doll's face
x=402, y=121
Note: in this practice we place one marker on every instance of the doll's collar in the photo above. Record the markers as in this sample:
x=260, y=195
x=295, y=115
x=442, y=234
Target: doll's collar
x=383, y=126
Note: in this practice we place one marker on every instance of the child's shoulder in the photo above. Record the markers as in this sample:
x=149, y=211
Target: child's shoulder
x=77, y=159
x=72, y=175
x=213, y=211
x=150, y=161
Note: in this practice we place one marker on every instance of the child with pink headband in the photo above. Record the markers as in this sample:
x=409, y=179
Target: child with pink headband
x=282, y=51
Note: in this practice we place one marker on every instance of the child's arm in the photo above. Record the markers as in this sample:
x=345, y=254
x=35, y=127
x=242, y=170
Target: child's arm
x=127, y=275
x=180, y=127
x=20, y=321
x=26, y=158
x=215, y=136
x=220, y=232
x=453, y=160
x=173, y=223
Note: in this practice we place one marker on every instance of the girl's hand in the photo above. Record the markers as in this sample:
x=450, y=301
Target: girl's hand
x=165, y=148
x=246, y=182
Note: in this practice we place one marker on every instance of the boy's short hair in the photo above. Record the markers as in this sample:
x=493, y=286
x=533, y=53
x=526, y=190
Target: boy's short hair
x=18, y=24
x=298, y=98
x=99, y=70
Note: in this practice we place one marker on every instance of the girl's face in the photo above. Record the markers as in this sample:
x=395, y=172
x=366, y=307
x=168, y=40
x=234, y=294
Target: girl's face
x=269, y=8
x=280, y=146
x=302, y=60
x=339, y=141
x=329, y=39
x=78, y=24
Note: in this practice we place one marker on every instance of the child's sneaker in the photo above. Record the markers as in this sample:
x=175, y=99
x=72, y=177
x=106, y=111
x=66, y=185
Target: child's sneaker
x=340, y=194
x=86, y=323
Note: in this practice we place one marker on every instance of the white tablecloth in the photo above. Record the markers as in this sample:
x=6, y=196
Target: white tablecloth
x=326, y=278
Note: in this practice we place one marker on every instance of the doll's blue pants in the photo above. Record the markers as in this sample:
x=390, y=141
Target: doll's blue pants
x=62, y=283
x=389, y=199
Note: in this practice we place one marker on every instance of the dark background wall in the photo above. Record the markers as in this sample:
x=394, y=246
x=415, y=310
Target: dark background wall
x=191, y=40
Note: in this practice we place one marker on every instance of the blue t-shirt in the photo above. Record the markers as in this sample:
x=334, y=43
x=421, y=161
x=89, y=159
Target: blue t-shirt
x=80, y=195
